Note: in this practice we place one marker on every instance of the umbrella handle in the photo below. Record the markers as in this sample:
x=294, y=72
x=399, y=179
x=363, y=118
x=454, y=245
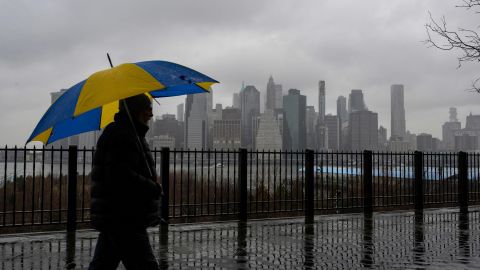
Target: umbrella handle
x=139, y=142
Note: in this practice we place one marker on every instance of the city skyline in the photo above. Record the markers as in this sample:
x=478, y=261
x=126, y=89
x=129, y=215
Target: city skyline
x=356, y=102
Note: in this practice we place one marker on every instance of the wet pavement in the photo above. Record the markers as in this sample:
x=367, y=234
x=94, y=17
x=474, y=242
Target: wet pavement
x=438, y=239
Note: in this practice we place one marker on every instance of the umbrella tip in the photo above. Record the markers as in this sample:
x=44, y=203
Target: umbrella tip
x=109, y=59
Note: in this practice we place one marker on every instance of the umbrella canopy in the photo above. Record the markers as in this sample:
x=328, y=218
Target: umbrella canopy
x=91, y=104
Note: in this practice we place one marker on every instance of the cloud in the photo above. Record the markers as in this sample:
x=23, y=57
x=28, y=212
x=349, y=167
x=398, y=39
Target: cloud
x=49, y=45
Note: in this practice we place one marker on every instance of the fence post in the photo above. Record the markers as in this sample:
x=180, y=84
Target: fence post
x=72, y=189
x=242, y=182
x=165, y=178
x=309, y=186
x=463, y=181
x=367, y=181
x=419, y=190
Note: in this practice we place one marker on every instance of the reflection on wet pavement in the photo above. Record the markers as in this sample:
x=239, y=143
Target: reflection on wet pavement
x=444, y=239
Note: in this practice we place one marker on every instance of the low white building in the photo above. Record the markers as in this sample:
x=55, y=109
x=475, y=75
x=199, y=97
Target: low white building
x=158, y=142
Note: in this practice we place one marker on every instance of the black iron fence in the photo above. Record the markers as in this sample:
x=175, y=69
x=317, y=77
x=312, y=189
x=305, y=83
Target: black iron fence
x=47, y=186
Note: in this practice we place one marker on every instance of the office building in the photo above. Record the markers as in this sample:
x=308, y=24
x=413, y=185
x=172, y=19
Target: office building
x=382, y=138
x=466, y=141
x=180, y=112
x=342, y=115
x=227, y=130
x=355, y=101
x=158, y=142
x=278, y=97
x=425, y=142
x=321, y=101
x=449, y=128
x=250, y=108
x=294, y=127
x=236, y=101
x=333, y=126
x=268, y=133
x=196, y=121
x=363, y=130
x=312, y=118
x=397, y=107
x=167, y=129
x=270, y=100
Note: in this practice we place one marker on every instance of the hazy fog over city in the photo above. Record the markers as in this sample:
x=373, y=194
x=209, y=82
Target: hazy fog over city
x=369, y=45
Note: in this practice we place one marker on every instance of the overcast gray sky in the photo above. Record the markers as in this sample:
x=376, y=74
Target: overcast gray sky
x=368, y=45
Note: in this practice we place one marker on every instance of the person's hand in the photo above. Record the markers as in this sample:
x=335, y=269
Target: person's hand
x=159, y=189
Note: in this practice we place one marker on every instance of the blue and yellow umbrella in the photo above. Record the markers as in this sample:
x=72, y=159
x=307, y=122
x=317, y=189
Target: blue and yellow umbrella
x=91, y=104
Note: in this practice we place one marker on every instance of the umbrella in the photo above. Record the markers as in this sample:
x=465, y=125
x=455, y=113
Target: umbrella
x=92, y=103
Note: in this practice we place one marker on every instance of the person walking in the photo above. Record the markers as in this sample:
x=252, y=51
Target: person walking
x=124, y=192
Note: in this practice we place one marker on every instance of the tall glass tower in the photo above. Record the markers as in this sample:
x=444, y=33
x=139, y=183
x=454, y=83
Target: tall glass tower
x=397, y=107
x=321, y=101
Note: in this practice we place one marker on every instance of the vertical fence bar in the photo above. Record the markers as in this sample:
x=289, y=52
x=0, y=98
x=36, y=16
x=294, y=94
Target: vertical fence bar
x=84, y=153
x=419, y=190
x=72, y=189
x=165, y=175
x=24, y=183
x=5, y=187
x=367, y=181
x=174, y=182
x=60, y=176
x=242, y=179
x=463, y=181
x=51, y=184
x=42, y=200
x=14, y=212
x=309, y=186
x=33, y=186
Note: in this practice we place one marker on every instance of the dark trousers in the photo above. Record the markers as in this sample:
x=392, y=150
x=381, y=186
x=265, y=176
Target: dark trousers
x=132, y=248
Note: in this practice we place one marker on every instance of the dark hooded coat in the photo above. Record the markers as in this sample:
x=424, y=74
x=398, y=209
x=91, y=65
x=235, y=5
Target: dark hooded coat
x=123, y=194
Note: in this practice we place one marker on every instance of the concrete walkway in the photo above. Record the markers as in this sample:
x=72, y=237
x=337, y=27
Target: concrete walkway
x=441, y=239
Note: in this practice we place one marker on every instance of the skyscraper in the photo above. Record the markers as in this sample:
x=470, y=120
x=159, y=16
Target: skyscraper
x=250, y=108
x=342, y=115
x=312, y=118
x=278, y=96
x=382, y=138
x=167, y=128
x=425, y=142
x=449, y=128
x=227, y=130
x=294, y=127
x=355, y=101
x=196, y=121
x=321, y=101
x=332, y=124
x=270, y=103
x=180, y=111
x=268, y=133
x=473, y=122
x=467, y=139
x=363, y=130
x=342, y=112
x=453, y=114
x=236, y=101
x=397, y=122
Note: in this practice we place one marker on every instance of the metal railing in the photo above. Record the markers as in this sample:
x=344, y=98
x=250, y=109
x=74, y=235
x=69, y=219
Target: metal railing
x=47, y=186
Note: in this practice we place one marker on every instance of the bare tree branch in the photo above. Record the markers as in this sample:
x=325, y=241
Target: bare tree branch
x=468, y=4
x=466, y=41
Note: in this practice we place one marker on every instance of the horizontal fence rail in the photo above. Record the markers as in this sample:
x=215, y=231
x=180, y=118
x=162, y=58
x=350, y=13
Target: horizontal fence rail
x=37, y=188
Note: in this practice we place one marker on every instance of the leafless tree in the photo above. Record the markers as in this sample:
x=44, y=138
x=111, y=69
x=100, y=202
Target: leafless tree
x=466, y=41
